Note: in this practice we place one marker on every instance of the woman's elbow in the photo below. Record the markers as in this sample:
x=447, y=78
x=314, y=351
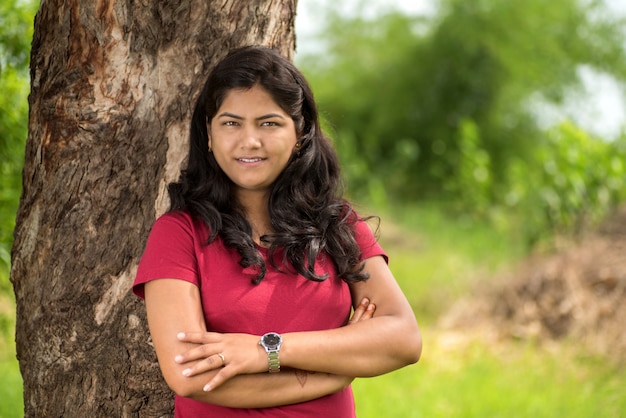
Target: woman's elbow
x=412, y=347
x=415, y=351
x=179, y=384
x=183, y=391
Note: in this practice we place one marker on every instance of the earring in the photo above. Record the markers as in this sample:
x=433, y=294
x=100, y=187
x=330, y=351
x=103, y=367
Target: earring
x=298, y=145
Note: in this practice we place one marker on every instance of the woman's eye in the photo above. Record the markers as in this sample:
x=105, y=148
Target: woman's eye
x=230, y=123
x=269, y=123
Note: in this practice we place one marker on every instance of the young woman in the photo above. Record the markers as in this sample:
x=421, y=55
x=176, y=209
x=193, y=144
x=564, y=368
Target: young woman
x=250, y=278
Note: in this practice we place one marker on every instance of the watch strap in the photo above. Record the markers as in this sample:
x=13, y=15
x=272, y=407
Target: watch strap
x=274, y=361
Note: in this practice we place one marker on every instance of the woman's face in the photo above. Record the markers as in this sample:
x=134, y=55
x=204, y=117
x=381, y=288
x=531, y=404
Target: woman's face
x=252, y=139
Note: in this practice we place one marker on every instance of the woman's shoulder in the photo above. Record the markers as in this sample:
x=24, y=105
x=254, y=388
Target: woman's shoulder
x=175, y=216
x=366, y=231
x=366, y=227
x=181, y=219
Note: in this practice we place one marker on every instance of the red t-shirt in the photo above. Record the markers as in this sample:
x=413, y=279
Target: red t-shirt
x=283, y=302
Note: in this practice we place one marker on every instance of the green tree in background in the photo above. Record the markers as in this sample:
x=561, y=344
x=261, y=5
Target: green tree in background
x=404, y=86
x=572, y=181
x=16, y=31
x=447, y=107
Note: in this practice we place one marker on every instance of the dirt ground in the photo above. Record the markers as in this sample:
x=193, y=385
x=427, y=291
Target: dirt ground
x=577, y=293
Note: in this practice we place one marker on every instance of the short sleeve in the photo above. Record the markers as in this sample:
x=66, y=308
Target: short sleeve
x=169, y=252
x=367, y=242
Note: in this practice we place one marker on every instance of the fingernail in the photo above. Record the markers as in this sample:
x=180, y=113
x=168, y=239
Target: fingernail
x=371, y=307
x=365, y=301
x=186, y=372
x=181, y=335
x=206, y=387
x=178, y=358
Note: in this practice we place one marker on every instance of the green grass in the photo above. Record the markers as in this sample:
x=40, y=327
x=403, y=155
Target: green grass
x=11, y=405
x=11, y=396
x=475, y=379
x=436, y=260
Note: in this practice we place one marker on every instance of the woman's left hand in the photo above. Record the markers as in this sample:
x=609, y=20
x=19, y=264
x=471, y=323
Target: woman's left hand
x=234, y=353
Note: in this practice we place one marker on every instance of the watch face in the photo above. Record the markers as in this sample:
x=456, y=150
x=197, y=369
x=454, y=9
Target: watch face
x=271, y=340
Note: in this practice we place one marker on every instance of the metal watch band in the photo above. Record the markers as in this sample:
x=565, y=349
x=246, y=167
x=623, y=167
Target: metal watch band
x=274, y=362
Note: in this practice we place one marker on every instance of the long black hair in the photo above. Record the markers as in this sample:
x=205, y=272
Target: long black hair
x=306, y=207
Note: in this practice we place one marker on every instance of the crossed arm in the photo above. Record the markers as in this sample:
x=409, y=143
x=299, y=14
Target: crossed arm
x=370, y=345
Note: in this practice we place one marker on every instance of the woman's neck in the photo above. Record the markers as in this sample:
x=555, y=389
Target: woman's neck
x=256, y=209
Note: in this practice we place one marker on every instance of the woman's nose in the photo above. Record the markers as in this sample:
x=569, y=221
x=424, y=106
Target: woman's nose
x=251, y=138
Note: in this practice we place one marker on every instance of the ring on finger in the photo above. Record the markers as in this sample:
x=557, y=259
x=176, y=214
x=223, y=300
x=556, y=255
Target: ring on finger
x=223, y=359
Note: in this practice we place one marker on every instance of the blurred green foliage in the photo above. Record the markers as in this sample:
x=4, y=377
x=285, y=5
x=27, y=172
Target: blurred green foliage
x=16, y=32
x=571, y=181
x=447, y=108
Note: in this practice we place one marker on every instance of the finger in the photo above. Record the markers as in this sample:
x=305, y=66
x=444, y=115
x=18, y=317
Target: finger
x=200, y=352
x=359, y=311
x=369, y=312
x=210, y=363
x=198, y=337
x=219, y=379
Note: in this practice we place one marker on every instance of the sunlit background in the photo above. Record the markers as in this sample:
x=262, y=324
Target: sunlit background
x=489, y=135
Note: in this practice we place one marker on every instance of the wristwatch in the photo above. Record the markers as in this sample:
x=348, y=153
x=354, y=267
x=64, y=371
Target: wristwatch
x=271, y=343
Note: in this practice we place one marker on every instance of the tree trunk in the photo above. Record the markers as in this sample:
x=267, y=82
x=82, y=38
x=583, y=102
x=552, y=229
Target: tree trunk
x=113, y=86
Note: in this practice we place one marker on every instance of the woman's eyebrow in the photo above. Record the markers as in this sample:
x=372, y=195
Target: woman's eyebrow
x=268, y=116
x=229, y=115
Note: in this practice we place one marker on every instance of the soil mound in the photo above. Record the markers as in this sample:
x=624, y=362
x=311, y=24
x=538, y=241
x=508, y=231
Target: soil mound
x=578, y=293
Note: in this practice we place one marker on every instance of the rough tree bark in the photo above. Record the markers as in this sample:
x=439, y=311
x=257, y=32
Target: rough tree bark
x=113, y=84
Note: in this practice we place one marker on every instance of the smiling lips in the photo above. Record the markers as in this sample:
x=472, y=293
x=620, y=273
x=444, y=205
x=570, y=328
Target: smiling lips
x=250, y=160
